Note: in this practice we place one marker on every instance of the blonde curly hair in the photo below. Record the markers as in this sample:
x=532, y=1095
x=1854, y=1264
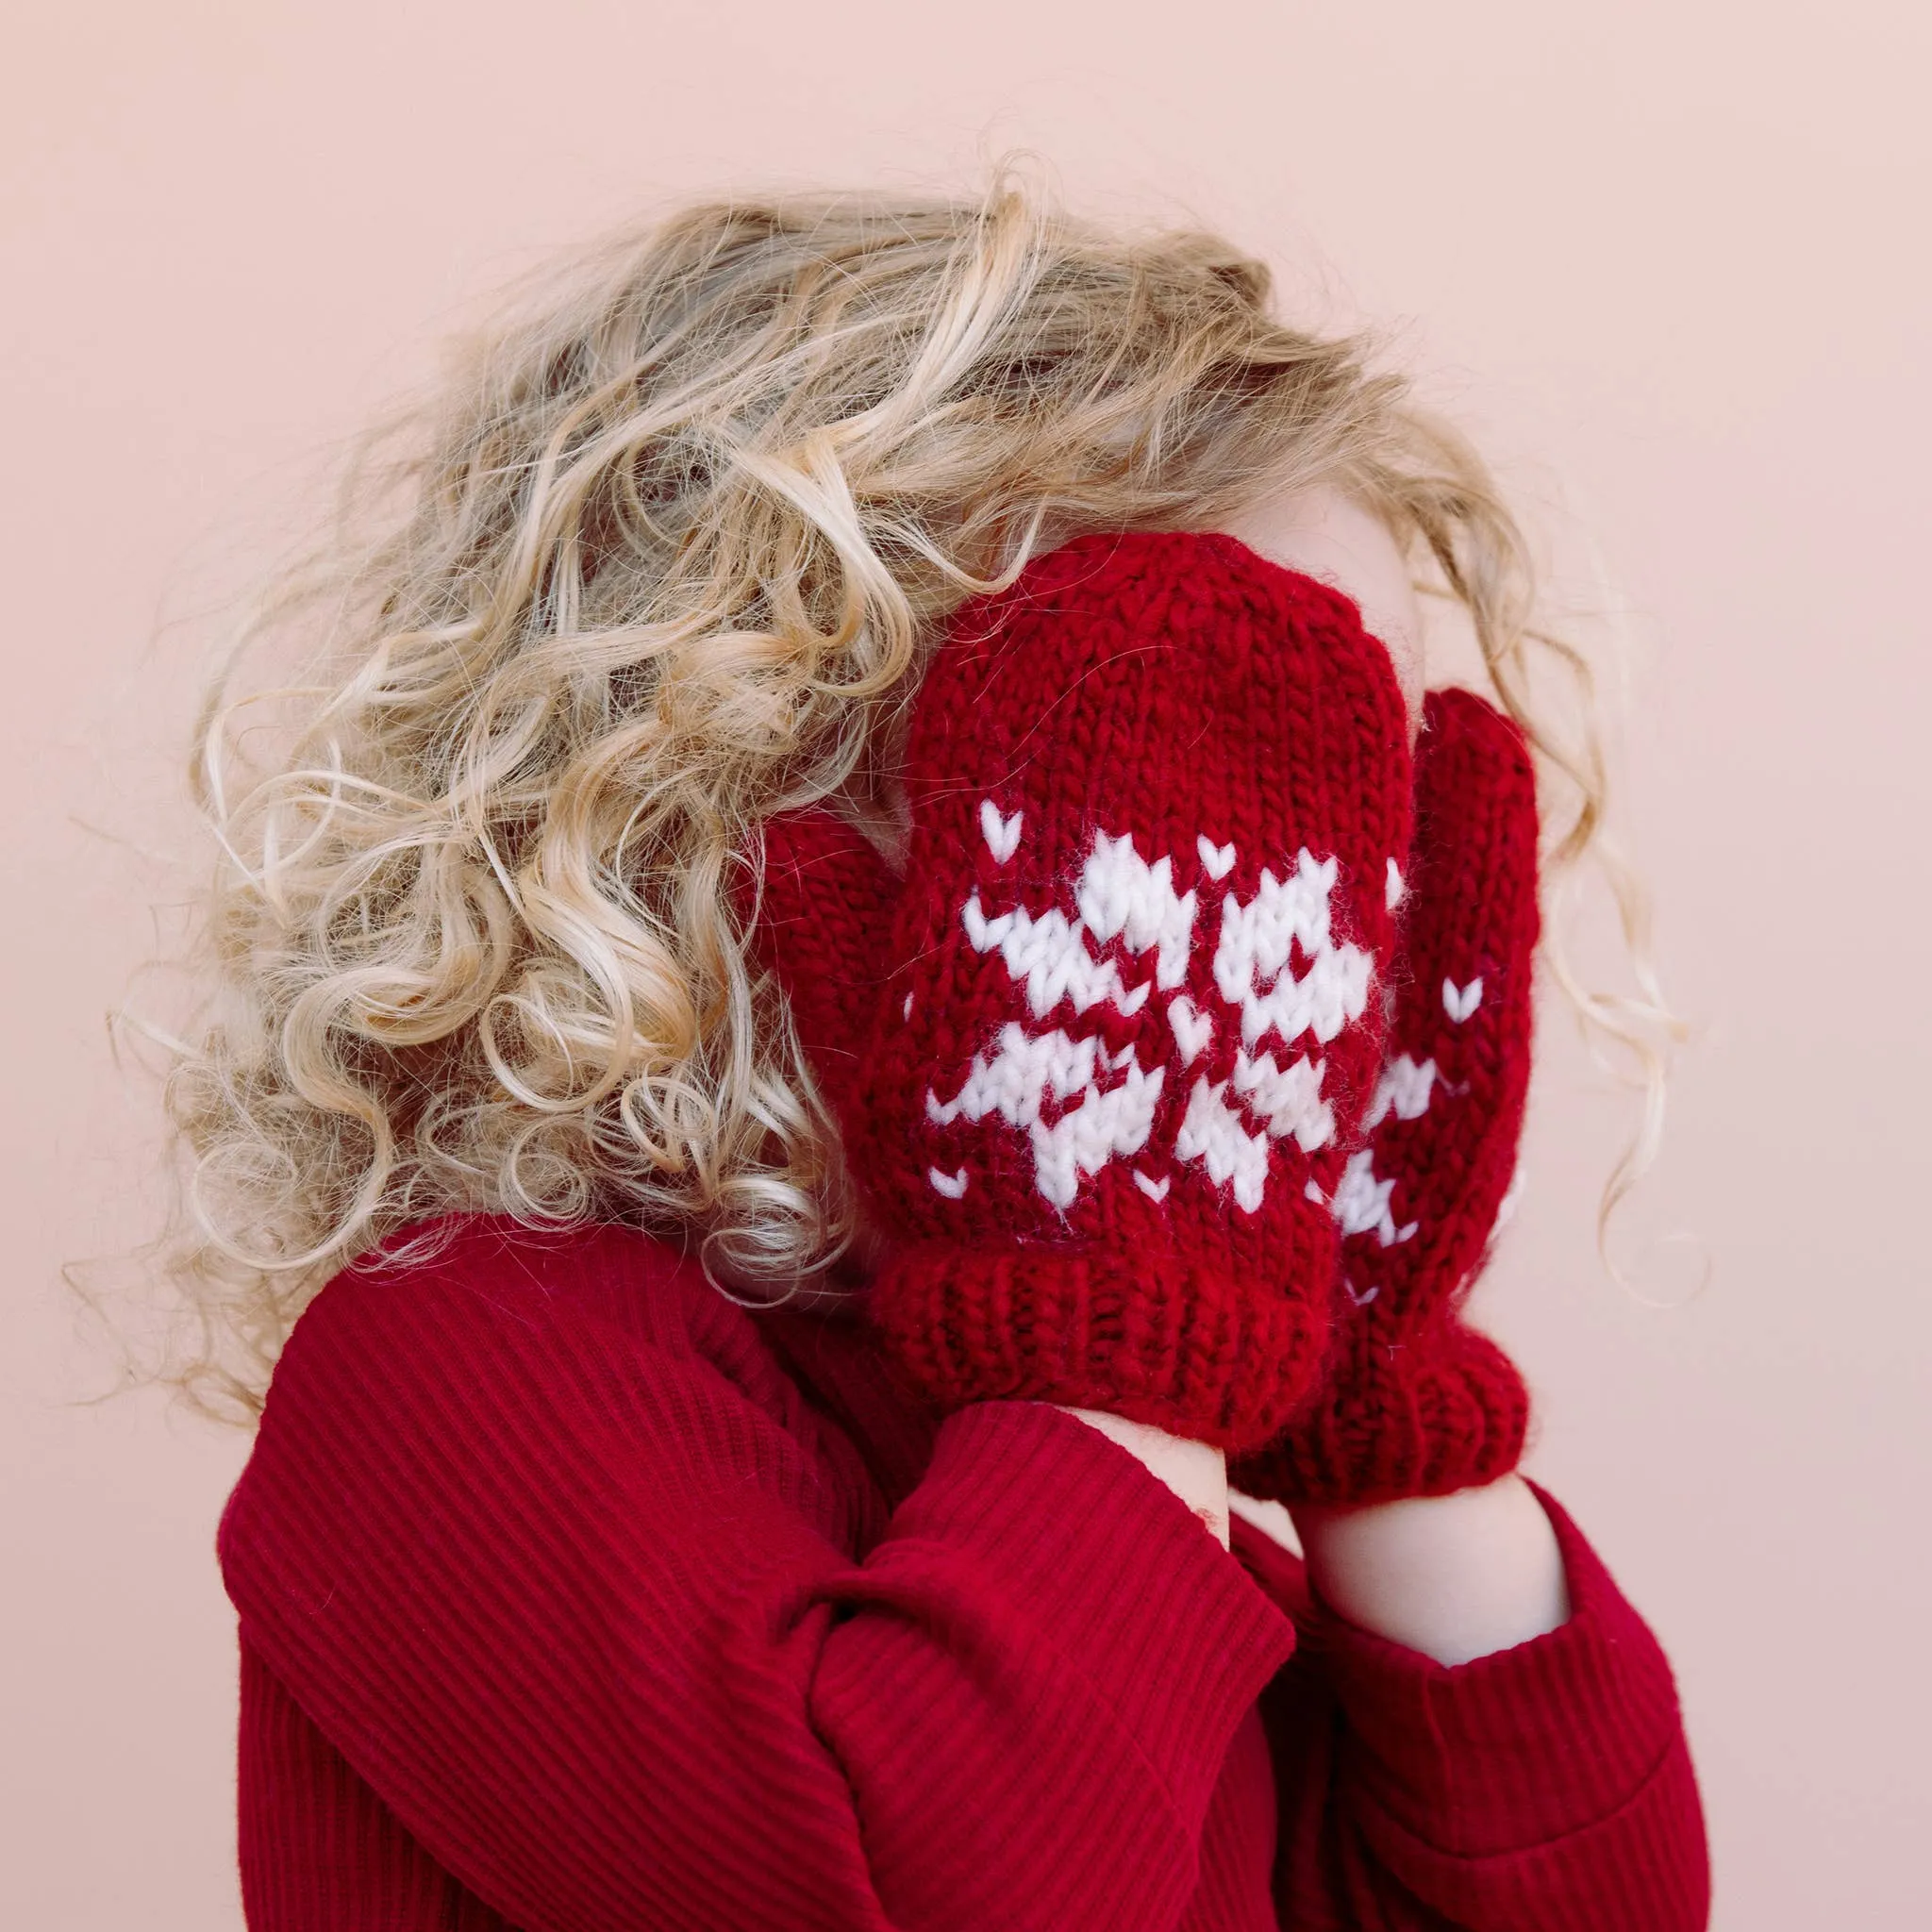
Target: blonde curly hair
x=659, y=558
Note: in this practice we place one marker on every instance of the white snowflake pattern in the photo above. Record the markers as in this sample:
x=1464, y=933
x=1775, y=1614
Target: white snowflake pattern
x=1106, y=1102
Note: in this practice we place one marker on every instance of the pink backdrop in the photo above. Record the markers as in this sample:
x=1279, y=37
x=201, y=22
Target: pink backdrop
x=1661, y=256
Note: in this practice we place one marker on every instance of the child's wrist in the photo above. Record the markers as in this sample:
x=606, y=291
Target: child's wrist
x=1456, y=1577
x=1195, y=1471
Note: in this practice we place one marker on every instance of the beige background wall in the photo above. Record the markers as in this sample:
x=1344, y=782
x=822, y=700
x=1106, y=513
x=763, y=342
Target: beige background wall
x=1667, y=259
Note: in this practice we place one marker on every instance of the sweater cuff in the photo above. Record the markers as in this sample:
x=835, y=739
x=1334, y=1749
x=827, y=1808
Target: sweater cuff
x=1121, y=1577
x=1521, y=1747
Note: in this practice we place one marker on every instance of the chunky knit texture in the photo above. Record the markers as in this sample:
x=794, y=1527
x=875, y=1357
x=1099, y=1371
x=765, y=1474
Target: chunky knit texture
x=575, y=1598
x=1099, y=1058
x=1417, y=1403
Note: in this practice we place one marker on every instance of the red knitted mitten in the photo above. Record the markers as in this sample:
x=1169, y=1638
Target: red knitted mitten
x=1416, y=1404
x=1097, y=1060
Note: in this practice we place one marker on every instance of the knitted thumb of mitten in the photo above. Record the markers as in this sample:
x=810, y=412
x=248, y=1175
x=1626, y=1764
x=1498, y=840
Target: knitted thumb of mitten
x=824, y=921
x=1416, y=1403
x=1125, y=1013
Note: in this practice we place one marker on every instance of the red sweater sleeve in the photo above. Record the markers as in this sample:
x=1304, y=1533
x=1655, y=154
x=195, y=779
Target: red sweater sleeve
x=1545, y=1788
x=569, y=1585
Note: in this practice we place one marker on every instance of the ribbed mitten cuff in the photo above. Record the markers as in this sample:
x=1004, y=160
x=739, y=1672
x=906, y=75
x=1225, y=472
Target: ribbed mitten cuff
x=1421, y=1417
x=1156, y=1338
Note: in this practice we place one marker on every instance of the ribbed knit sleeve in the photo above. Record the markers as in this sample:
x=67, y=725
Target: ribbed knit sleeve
x=1544, y=1788
x=573, y=1583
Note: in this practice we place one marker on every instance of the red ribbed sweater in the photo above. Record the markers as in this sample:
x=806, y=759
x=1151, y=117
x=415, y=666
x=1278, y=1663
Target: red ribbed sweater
x=575, y=1598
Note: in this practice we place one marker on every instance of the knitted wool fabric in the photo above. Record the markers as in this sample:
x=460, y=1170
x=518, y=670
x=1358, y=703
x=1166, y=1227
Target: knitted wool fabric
x=1417, y=1403
x=1099, y=1058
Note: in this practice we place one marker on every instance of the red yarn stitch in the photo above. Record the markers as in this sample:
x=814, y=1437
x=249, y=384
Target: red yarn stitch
x=1235, y=723
x=1417, y=1403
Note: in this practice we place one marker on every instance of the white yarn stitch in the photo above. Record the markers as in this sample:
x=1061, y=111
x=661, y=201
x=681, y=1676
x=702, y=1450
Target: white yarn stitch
x=1461, y=1003
x=1155, y=1190
x=1084, y=1139
x=1361, y=1203
x=1403, y=1089
x=1192, y=1030
x=1119, y=892
x=1025, y=1069
x=1048, y=952
x=1393, y=887
x=1289, y=1098
x=1015, y=1081
x=1214, y=1133
x=952, y=1186
x=1217, y=861
x=1251, y=961
x=1002, y=835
